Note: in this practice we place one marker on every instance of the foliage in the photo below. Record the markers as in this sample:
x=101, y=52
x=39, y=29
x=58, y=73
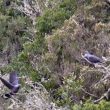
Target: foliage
x=66, y=93
x=103, y=105
x=55, y=60
x=54, y=18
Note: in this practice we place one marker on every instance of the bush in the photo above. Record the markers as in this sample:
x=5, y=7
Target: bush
x=103, y=105
x=54, y=18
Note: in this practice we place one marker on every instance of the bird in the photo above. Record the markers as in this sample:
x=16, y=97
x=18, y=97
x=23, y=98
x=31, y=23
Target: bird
x=7, y=2
x=12, y=84
x=91, y=59
x=107, y=1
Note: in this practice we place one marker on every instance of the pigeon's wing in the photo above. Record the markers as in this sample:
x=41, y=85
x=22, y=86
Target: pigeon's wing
x=6, y=83
x=94, y=59
x=13, y=79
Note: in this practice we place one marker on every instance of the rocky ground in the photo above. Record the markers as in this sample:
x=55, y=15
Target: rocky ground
x=30, y=97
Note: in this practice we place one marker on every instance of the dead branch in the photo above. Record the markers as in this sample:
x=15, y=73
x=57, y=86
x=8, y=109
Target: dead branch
x=106, y=72
x=105, y=95
x=89, y=93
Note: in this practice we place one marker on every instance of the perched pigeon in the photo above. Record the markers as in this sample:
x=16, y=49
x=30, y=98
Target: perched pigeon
x=92, y=59
x=13, y=84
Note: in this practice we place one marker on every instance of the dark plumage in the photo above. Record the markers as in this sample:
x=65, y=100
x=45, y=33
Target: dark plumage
x=13, y=84
x=7, y=2
x=92, y=59
x=107, y=1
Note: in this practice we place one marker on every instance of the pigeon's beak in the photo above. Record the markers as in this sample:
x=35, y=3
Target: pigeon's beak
x=82, y=55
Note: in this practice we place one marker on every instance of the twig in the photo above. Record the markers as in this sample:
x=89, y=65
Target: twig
x=88, y=93
x=16, y=100
x=105, y=95
x=98, y=100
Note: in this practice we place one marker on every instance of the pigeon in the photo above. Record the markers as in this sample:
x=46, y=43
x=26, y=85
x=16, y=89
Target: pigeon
x=92, y=59
x=13, y=84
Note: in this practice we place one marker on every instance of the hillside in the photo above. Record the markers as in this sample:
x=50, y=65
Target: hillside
x=44, y=41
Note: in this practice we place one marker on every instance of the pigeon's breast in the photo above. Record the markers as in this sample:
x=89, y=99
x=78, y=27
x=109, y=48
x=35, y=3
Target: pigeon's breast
x=15, y=89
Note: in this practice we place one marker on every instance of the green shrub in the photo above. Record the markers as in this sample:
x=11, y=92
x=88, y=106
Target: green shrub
x=54, y=18
x=103, y=105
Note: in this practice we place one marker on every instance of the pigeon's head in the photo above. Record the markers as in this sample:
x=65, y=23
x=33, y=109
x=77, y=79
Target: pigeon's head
x=86, y=52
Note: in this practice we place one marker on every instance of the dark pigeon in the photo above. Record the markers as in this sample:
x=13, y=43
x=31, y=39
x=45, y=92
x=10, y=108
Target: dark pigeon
x=13, y=84
x=92, y=59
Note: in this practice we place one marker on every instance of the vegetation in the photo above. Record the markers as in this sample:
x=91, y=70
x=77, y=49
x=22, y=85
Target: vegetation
x=48, y=50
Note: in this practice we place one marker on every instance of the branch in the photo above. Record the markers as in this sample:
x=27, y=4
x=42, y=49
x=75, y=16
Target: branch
x=105, y=95
x=88, y=93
